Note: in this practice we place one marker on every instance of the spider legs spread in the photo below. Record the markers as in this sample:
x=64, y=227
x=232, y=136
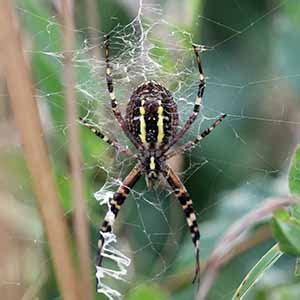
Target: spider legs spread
x=115, y=204
x=187, y=206
x=198, y=138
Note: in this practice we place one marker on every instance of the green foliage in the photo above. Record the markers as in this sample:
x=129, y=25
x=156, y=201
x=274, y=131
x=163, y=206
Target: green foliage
x=286, y=225
x=148, y=292
x=266, y=261
x=160, y=54
x=294, y=174
x=286, y=292
x=297, y=267
x=286, y=230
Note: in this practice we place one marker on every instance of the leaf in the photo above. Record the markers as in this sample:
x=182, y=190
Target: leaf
x=286, y=229
x=257, y=271
x=294, y=173
x=295, y=212
x=283, y=292
x=148, y=292
x=297, y=267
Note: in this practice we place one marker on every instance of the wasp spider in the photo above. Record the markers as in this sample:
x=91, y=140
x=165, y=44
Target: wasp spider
x=151, y=124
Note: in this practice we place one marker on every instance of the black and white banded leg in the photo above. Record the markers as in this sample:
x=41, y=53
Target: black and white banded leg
x=115, y=204
x=201, y=136
x=187, y=206
x=105, y=138
x=114, y=103
x=196, y=109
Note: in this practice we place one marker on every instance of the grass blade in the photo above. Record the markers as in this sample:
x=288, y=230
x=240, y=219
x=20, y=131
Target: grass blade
x=267, y=261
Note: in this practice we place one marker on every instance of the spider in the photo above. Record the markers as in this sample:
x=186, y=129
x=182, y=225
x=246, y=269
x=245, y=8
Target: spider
x=151, y=124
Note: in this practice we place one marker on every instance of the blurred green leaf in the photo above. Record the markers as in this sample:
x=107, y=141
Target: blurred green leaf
x=294, y=174
x=148, y=292
x=286, y=292
x=286, y=226
x=297, y=267
x=257, y=271
x=286, y=230
x=295, y=212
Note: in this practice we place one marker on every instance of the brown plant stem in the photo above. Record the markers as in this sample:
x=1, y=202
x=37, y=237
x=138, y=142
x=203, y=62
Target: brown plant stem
x=93, y=27
x=80, y=219
x=23, y=102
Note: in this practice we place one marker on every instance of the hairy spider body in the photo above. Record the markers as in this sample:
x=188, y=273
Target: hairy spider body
x=152, y=119
x=151, y=124
x=151, y=115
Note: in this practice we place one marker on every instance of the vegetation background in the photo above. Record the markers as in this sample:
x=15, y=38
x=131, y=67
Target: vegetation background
x=253, y=76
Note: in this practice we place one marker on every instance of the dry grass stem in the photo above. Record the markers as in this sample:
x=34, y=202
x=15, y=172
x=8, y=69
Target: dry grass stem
x=23, y=102
x=92, y=18
x=81, y=224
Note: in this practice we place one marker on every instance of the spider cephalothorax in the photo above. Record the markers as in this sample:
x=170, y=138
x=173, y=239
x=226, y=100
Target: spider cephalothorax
x=151, y=124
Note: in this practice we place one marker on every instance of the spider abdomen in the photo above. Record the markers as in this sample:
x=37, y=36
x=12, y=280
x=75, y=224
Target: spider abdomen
x=151, y=115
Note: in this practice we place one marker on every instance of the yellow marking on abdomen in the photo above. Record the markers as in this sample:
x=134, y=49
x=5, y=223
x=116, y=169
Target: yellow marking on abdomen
x=152, y=163
x=160, y=124
x=142, y=134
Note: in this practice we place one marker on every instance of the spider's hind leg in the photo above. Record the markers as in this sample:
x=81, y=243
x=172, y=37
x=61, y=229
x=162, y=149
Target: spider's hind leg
x=187, y=206
x=115, y=204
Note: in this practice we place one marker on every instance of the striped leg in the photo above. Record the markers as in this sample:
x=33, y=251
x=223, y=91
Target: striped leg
x=110, y=85
x=187, y=206
x=197, y=104
x=115, y=204
x=199, y=137
x=105, y=138
x=114, y=103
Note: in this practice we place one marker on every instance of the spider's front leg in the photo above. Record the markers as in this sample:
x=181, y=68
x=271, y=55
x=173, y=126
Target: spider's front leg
x=187, y=206
x=198, y=138
x=114, y=103
x=193, y=116
x=105, y=138
x=115, y=205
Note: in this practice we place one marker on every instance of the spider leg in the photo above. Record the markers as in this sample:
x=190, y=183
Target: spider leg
x=193, y=116
x=105, y=138
x=114, y=103
x=198, y=138
x=115, y=205
x=187, y=206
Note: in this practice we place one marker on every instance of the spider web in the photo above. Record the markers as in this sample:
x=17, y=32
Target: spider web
x=234, y=165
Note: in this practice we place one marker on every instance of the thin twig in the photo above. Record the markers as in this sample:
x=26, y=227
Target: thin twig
x=23, y=102
x=93, y=27
x=222, y=251
x=81, y=225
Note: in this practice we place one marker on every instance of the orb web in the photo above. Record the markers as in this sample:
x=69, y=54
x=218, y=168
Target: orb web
x=153, y=47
